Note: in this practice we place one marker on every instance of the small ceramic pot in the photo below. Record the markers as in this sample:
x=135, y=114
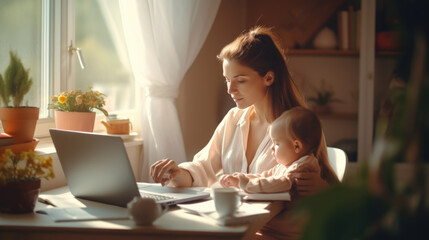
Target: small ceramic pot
x=117, y=126
x=325, y=39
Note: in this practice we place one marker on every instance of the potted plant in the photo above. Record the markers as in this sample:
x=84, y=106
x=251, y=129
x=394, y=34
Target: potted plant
x=20, y=175
x=324, y=97
x=74, y=110
x=18, y=121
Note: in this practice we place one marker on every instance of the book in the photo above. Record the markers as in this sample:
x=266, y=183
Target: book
x=285, y=196
x=343, y=30
x=6, y=139
x=246, y=213
x=351, y=25
x=358, y=28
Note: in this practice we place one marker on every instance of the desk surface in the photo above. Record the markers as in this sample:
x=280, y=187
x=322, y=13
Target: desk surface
x=176, y=222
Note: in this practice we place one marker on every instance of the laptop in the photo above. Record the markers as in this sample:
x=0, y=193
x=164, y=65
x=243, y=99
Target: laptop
x=97, y=168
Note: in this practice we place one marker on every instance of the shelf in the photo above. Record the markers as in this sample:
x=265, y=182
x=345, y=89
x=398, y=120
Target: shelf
x=325, y=52
x=336, y=52
x=340, y=116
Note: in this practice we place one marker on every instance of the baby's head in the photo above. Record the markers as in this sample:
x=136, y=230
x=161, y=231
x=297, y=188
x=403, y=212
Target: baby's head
x=296, y=133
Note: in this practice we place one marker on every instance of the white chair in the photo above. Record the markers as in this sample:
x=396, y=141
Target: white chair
x=338, y=161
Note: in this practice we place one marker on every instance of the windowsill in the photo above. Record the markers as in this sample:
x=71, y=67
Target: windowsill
x=46, y=146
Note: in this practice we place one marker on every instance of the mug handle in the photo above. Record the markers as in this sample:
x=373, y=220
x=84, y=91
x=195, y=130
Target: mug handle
x=239, y=200
x=164, y=208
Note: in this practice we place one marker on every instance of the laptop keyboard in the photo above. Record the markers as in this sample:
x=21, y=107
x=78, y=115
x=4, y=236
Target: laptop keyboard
x=156, y=197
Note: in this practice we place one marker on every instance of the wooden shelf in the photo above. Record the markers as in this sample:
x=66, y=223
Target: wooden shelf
x=336, y=52
x=340, y=116
x=325, y=52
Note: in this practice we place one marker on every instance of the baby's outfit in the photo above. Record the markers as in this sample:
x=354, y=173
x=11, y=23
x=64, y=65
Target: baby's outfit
x=277, y=179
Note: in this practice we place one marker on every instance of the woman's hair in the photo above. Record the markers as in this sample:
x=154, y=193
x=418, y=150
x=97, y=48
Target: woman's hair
x=302, y=124
x=259, y=49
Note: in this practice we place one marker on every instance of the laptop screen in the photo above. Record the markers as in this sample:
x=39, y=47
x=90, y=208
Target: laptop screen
x=96, y=166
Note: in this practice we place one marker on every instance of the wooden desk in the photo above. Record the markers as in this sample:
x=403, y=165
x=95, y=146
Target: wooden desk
x=176, y=223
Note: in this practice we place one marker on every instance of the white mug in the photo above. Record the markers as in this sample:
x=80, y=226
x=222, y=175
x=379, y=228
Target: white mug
x=144, y=211
x=227, y=201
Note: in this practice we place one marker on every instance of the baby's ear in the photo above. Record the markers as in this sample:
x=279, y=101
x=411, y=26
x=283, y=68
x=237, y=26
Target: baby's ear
x=298, y=147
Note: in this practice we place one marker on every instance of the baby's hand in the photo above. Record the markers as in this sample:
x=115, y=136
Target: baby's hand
x=229, y=181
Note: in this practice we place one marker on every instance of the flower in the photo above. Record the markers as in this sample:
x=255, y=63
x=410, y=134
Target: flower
x=24, y=166
x=78, y=101
x=62, y=99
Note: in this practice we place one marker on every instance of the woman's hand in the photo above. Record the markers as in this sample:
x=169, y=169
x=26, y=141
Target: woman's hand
x=229, y=181
x=308, y=183
x=168, y=173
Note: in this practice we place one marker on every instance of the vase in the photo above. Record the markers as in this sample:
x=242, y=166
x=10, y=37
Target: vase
x=20, y=122
x=19, y=197
x=325, y=39
x=322, y=109
x=75, y=121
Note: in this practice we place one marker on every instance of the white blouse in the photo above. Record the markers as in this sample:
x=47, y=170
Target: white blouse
x=226, y=151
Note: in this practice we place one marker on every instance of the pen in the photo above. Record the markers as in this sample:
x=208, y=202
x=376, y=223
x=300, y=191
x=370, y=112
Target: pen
x=46, y=201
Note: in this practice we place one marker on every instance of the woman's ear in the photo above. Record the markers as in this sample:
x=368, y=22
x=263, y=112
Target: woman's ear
x=298, y=147
x=269, y=78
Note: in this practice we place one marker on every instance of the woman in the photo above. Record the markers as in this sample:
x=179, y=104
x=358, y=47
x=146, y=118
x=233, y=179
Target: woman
x=258, y=80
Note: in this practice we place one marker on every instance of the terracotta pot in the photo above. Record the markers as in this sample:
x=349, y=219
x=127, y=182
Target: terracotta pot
x=322, y=109
x=20, y=122
x=19, y=197
x=75, y=121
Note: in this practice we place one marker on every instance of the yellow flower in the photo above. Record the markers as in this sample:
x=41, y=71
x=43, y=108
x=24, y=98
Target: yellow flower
x=62, y=99
x=24, y=166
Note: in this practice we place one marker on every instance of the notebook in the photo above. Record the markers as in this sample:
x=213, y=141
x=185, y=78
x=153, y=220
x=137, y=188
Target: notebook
x=245, y=214
x=97, y=168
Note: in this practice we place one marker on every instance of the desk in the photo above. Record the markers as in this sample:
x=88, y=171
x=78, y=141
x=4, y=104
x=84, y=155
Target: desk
x=176, y=223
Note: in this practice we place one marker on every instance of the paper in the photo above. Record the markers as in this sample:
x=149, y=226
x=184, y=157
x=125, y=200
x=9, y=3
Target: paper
x=85, y=214
x=64, y=200
x=246, y=213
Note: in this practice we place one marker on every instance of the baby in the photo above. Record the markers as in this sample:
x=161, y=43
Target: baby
x=296, y=136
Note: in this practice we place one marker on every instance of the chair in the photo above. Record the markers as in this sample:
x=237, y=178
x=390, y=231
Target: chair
x=338, y=161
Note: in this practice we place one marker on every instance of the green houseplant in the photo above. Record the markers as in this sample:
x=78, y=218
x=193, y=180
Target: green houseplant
x=324, y=97
x=18, y=121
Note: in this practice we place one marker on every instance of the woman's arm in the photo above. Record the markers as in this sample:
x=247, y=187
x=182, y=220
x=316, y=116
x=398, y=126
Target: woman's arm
x=308, y=183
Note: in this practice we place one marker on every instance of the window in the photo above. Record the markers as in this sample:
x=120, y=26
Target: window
x=21, y=32
x=41, y=31
x=99, y=34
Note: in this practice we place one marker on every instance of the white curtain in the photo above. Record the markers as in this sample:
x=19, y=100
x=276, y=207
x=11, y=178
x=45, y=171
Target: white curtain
x=163, y=38
x=109, y=10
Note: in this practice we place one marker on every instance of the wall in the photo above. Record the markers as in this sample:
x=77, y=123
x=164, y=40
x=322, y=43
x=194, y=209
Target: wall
x=203, y=100
x=340, y=74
